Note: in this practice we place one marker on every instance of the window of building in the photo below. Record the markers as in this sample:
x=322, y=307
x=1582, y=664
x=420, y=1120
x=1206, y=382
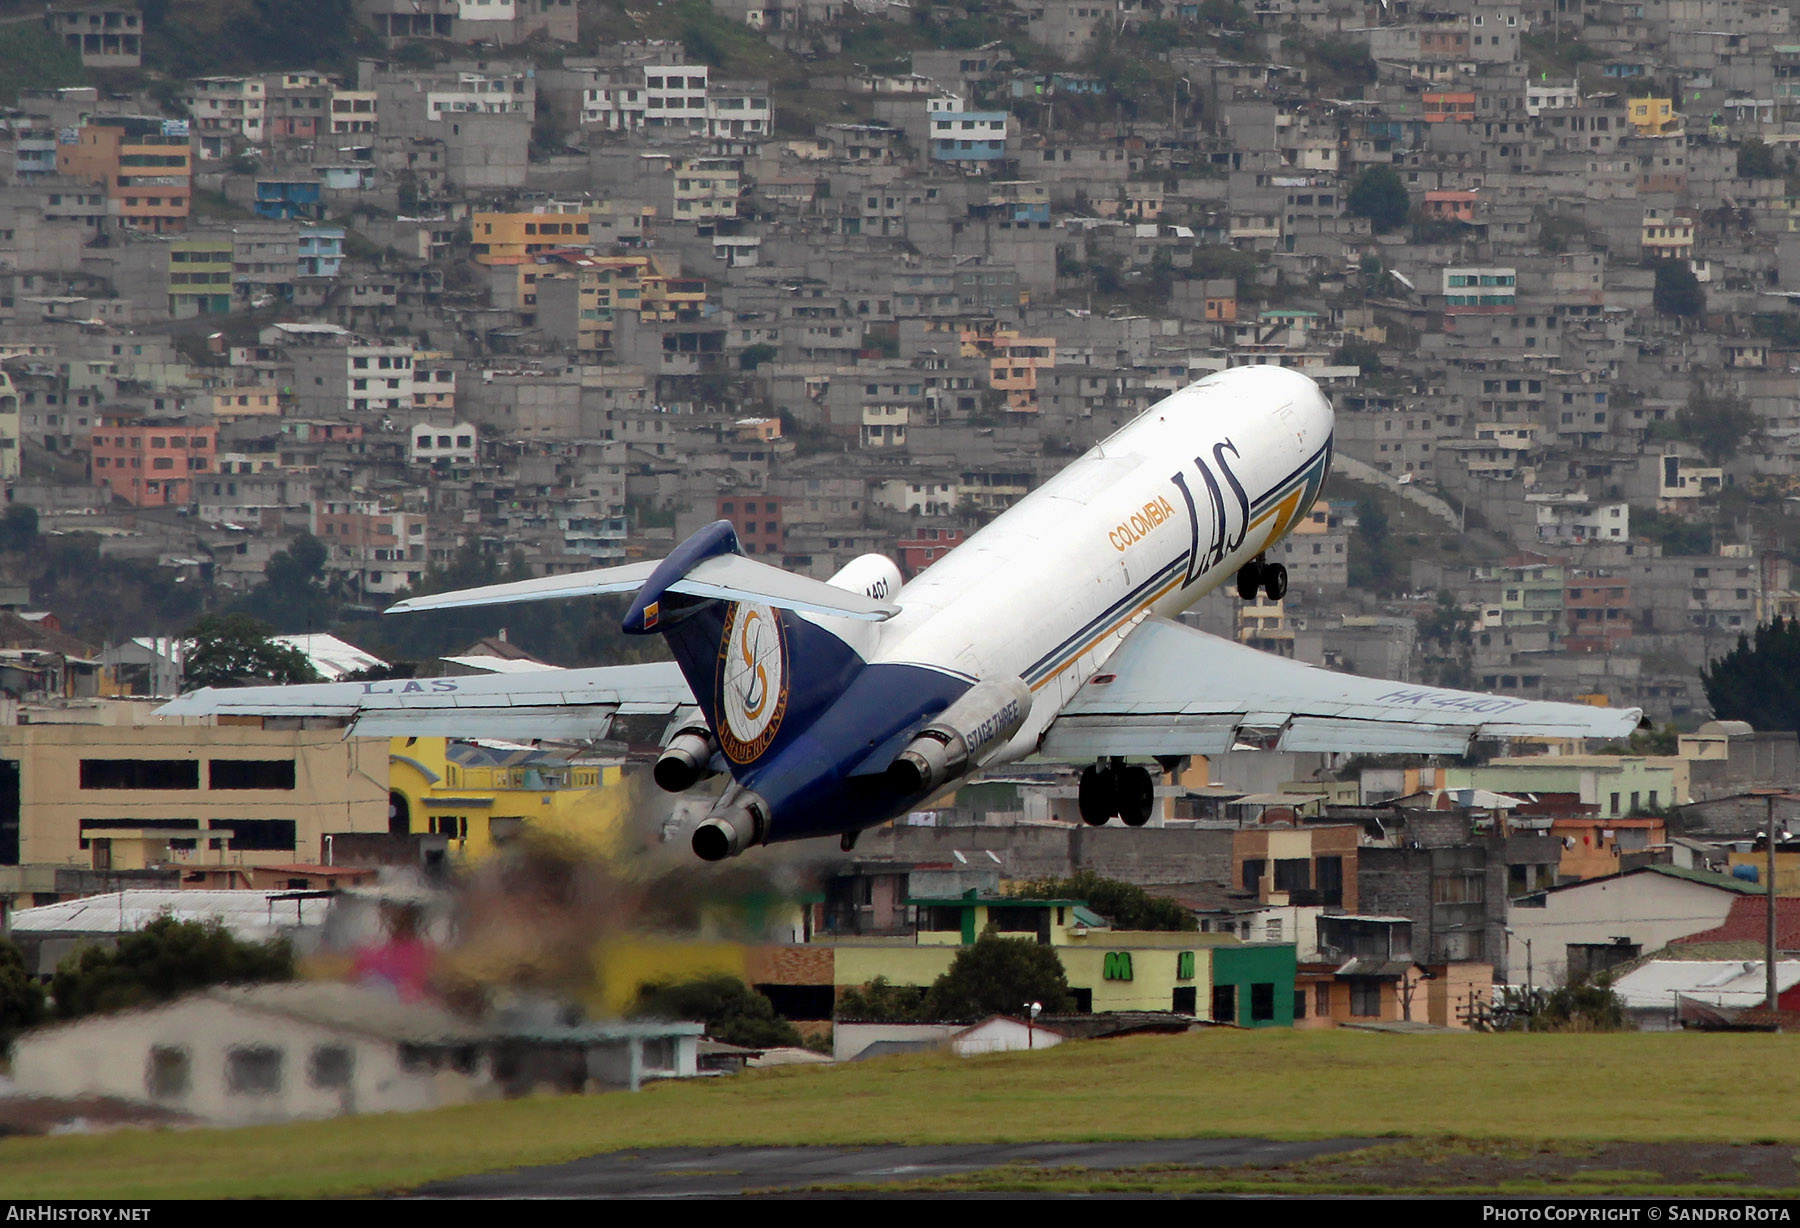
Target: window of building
x=253, y=1070
x=331, y=1066
x=250, y=774
x=140, y=773
x=169, y=1073
x=1293, y=874
x=1253, y=872
x=259, y=835
x=1262, y=1002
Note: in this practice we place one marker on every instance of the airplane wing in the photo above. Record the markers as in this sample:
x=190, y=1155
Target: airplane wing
x=560, y=703
x=1172, y=690
x=730, y=577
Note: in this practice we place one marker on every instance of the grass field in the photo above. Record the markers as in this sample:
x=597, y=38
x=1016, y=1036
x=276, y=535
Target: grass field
x=1562, y=1090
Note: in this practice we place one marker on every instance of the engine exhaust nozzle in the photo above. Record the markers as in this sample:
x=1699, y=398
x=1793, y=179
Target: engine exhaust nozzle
x=740, y=820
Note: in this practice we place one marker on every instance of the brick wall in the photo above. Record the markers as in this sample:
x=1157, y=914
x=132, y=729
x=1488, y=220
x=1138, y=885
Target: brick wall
x=789, y=965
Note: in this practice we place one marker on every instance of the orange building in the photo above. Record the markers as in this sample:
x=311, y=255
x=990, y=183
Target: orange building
x=1013, y=363
x=1598, y=608
x=1593, y=848
x=144, y=164
x=1458, y=106
x=1365, y=991
x=151, y=464
x=1221, y=301
x=1449, y=206
x=758, y=520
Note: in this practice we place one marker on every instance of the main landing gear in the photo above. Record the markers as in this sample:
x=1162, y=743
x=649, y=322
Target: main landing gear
x=1271, y=578
x=1113, y=787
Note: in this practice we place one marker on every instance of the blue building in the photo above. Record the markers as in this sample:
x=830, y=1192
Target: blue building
x=968, y=136
x=321, y=250
x=286, y=199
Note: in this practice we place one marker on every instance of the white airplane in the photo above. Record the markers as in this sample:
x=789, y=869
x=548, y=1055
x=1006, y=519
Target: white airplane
x=837, y=705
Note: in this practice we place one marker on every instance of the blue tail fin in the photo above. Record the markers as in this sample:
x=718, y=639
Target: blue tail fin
x=761, y=674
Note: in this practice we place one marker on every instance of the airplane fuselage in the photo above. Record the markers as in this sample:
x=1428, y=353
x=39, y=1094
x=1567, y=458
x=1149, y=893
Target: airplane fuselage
x=1159, y=514
x=838, y=704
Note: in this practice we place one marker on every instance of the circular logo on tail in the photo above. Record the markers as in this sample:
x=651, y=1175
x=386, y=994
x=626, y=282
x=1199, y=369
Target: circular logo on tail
x=753, y=682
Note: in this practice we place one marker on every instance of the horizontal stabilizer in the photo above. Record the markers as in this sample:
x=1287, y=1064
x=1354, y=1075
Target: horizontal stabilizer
x=626, y=579
x=727, y=577
x=731, y=577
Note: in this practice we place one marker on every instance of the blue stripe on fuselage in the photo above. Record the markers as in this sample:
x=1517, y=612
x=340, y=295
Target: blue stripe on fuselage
x=1053, y=661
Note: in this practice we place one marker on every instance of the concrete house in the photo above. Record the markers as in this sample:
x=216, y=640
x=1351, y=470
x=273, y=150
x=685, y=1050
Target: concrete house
x=309, y=1050
x=1583, y=928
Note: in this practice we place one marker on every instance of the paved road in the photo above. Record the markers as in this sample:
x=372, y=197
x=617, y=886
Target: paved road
x=711, y=1172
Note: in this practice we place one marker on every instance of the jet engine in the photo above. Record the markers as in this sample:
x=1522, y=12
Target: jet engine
x=686, y=760
x=738, y=820
x=953, y=743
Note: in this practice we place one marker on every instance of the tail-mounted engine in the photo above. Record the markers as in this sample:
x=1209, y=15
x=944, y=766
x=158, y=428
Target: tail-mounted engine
x=962, y=737
x=686, y=760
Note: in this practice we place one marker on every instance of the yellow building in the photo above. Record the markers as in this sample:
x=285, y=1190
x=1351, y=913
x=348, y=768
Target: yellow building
x=263, y=402
x=1787, y=866
x=1667, y=235
x=128, y=796
x=1653, y=116
x=511, y=238
x=479, y=798
x=514, y=241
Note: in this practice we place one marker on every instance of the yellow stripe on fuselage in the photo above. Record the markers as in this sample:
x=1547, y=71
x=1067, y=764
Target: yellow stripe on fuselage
x=1075, y=655
x=1285, y=514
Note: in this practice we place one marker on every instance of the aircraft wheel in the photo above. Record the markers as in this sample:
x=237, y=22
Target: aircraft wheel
x=1137, y=795
x=1249, y=579
x=1274, y=581
x=1094, y=797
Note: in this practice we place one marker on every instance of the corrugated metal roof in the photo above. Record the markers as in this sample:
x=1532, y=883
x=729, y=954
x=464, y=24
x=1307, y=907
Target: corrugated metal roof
x=251, y=915
x=1720, y=982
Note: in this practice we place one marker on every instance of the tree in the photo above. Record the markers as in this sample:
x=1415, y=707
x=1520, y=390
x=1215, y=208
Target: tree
x=1363, y=355
x=1674, y=534
x=1374, y=560
x=998, y=976
x=1127, y=905
x=1677, y=291
x=1755, y=160
x=881, y=1002
x=21, y=997
x=1759, y=680
x=1347, y=62
x=1379, y=196
x=731, y=1010
x=1446, y=639
x=1587, y=1006
x=1664, y=741
x=1717, y=423
x=235, y=649
x=164, y=960
x=756, y=355
x=295, y=594
x=18, y=527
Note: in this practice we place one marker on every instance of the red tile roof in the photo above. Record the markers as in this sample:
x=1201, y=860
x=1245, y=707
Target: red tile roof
x=1748, y=921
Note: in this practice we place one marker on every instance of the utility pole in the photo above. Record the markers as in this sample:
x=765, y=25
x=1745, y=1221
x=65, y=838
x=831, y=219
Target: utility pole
x=1769, y=960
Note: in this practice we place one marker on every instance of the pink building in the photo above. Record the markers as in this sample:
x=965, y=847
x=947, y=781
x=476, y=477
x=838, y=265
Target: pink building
x=151, y=464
